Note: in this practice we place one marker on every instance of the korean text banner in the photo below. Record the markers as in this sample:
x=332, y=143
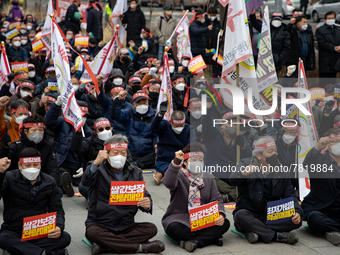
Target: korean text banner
x=38, y=226
x=280, y=210
x=126, y=192
x=203, y=216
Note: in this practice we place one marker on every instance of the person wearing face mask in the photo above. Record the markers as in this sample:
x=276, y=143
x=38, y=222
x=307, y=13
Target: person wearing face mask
x=321, y=205
x=122, y=60
x=78, y=62
x=69, y=163
x=32, y=75
x=178, y=92
x=152, y=75
x=15, y=50
x=73, y=17
x=328, y=36
x=183, y=68
x=302, y=45
x=152, y=89
x=134, y=85
x=38, y=62
x=193, y=116
x=191, y=187
x=70, y=37
x=29, y=191
x=211, y=36
x=23, y=29
x=172, y=136
x=146, y=42
x=163, y=27
x=114, y=227
x=50, y=82
x=257, y=185
x=26, y=45
x=198, y=34
x=280, y=37
x=138, y=127
x=135, y=20
x=94, y=19
x=93, y=47
x=116, y=78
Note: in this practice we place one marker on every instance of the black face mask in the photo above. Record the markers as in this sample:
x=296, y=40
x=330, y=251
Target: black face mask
x=273, y=160
x=126, y=59
x=153, y=95
x=135, y=88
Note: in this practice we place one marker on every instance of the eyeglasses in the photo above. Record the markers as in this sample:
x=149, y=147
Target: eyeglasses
x=101, y=129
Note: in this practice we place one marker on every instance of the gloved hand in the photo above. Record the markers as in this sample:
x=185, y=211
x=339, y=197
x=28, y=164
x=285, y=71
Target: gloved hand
x=82, y=87
x=329, y=106
x=10, y=76
x=239, y=140
x=79, y=173
x=291, y=69
x=199, y=128
x=58, y=102
x=36, y=93
x=152, y=71
x=163, y=108
x=131, y=67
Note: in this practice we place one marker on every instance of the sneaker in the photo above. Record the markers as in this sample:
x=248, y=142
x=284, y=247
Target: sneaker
x=333, y=237
x=252, y=237
x=66, y=182
x=153, y=247
x=289, y=238
x=188, y=245
x=157, y=177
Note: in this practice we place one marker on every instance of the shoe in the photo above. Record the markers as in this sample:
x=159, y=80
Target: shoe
x=59, y=252
x=333, y=237
x=97, y=249
x=66, y=182
x=153, y=247
x=252, y=237
x=157, y=177
x=289, y=238
x=219, y=241
x=188, y=245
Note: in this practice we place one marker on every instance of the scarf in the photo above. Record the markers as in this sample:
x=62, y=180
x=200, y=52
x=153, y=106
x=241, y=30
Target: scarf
x=196, y=183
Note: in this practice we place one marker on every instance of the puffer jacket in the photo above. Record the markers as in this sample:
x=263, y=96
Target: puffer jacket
x=166, y=28
x=198, y=38
x=135, y=21
x=138, y=128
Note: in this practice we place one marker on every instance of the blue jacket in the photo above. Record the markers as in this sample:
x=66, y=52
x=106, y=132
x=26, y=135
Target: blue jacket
x=63, y=137
x=197, y=38
x=20, y=52
x=106, y=103
x=169, y=142
x=138, y=128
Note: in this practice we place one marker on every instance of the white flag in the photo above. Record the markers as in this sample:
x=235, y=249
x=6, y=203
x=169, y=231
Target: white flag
x=46, y=32
x=183, y=38
x=5, y=68
x=72, y=112
x=103, y=62
x=166, y=92
x=307, y=138
x=119, y=9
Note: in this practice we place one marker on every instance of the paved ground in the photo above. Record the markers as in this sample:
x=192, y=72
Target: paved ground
x=76, y=213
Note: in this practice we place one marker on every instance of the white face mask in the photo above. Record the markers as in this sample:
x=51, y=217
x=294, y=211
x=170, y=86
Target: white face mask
x=68, y=37
x=304, y=27
x=185, y=63
x=31, y=39
x=30, y=173
x=142, y=109
x=23, y=31
x=335, y=149
x=195, y=167
x=104, y=134
x=133, y=6
x=23, y=42
x=180, y=86
x=17, y=43
x=29, y=27
x=288, y=139
x=171, y=69
x=24, y=93
x=276, y=23
x=196, y=114
x=118, y=81
x=330, y=22
x=36, y=137
x=212, y=18
x=177, y=130
x=75, y=87
x=141, y=36
x=20, y=119
x=202, y=21
x=31, y=74
x=118, y=161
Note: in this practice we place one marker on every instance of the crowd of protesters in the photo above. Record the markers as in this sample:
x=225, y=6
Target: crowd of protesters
x=125, y=131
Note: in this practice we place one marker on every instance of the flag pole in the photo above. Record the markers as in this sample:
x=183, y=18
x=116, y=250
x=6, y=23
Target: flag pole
x=238, y=149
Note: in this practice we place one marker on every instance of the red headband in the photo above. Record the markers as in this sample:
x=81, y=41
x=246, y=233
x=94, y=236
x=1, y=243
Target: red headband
x=195, y=103
x=179, y=79
x=115, y=146
x=117, y=89
x=140, y=95
x=149, y=59
x=144, y=69
x=178, y=121
x=51, y=99
x=29, y=125
x=30, y=160
x=297, y=13
x=160, y=70
x=265, y=145
x=337, y=124
x=295, y=126
x=135, y=79
x=23, y=75
x=331, y=136
x=26, y=84
x=50, y=69
x=20, y=109
x=228, y=114
x=84, y=109
x=124, y=51
x=171, y=62
x=200, y=15
x=101, y=123
x=143, y=31
x=193, y=154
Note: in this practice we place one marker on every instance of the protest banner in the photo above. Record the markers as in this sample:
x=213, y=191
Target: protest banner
x=126, y=192
x=37, y=45
x=196, y=64
x=203, y=216
x=183, y=38
x=14, y=24
x=280, y=210
x=16, y=66
x=38, y=226
x=81, y=40
x=317, y=93
x=337, y=92
x=12, y=33
x=5, y=68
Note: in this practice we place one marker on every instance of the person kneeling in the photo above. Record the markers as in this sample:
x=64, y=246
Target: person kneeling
x=29, y=192
x=113, y=226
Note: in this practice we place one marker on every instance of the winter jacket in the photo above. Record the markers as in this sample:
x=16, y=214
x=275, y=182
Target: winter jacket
x=328, y=38
x=19, y=52
x=95, y=109
x=63, y=137
x=250, y=190
x=178, y=100
x=94, y=22
x=138, y=127
x=211, y=35
x=39, y=66
x=113, y=217
x=120, y=65
x=194, y=123
x=71, y=21
x=178, y=184
x=164, y=30
x=17, y=200
x=17, y=13
x=170, y=142
x=134, y=21
x=198, y=38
